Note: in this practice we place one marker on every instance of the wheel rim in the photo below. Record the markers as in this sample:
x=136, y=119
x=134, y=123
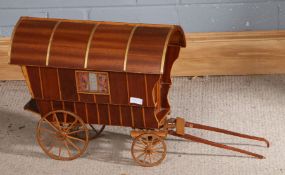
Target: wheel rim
x=55, y=135
x=148, y=150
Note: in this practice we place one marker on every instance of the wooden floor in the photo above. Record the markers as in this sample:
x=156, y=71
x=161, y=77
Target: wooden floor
x=8, y=72
x=231, y=53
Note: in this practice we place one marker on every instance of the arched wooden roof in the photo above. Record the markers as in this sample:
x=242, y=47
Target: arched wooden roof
x=93, y=45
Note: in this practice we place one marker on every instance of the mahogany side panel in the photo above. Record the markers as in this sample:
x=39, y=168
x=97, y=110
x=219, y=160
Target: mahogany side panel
x=118, y=88
x=30, y=42
x=126, y=116
x=87, y=98
x=34, y=76
x=109, y=43
x=138, y=117
x=57, y=105
x=136, y=84
x=67, y=84
x=69, y=45
x=102, y=99
x=92, y=113
x=80, y=110
x=146, y=49
x=50, y=83
x=69, y=106
x=103, y=114
x=115, y=114
x=150, y=119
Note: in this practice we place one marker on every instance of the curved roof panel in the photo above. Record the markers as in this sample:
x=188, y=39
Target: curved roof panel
x=93, y=45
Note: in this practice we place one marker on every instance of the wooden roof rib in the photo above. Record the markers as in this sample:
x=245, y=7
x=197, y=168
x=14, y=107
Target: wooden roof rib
x=93, y=45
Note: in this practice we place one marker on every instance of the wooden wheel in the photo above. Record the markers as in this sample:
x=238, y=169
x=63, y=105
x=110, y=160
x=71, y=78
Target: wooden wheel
x=94, y=131
x=55, y=135
x=148, y=149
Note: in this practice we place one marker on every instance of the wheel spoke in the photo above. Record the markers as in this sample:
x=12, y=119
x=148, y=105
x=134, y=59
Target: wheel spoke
x=149, y=158
x=75, y=121
x=161, y=148
x=74, y=132
x=144, y=159
x=48, y=130
x=140, y=155
x=138, y=150
x=156, y=143
x=72, y=144
x=143, y=142
x=56, y=119
x=157, y=152
x=74, y=138
x=67, y=148
x=51, y=125
x=140, y=146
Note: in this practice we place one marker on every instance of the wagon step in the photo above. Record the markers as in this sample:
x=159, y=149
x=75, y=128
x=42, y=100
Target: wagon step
x=179, y=124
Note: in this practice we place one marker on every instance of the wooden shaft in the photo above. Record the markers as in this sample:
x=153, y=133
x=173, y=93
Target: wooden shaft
x=219, y=145
x=209, y=128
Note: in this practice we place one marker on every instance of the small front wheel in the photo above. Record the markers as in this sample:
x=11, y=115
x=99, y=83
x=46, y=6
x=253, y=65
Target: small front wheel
x=148, y=149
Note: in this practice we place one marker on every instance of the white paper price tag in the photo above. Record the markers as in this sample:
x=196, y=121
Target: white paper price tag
x=135, y=100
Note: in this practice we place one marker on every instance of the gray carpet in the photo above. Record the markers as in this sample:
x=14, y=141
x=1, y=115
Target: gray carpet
x=248, y=104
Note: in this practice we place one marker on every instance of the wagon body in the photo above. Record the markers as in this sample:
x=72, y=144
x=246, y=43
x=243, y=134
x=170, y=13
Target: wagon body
x=107, y=73
x=104, y=73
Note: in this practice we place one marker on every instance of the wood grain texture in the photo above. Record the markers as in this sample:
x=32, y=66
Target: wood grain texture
x=233, y=53
x=8, y=72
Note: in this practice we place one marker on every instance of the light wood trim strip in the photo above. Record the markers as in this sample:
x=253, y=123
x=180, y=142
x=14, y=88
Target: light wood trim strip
x=121, y=117
x=86, y=112
x=165, y=49
x=51, y=104
x=144, y=123
x=98, y=114
x=109, y=115
x=128, y=47
x=89, y=44
x=132, y=115
x=59, y=85
x=128, y=89
x=63, y=105
x=50, y=41
x=41, y=82
x=74, y=106
x=26, y=76
x=146, y=91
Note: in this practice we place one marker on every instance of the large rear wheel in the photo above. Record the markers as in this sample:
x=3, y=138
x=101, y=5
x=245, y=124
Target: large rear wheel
x=55, y=135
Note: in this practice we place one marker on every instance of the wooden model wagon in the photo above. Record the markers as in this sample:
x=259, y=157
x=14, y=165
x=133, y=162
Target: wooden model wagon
x=83, y=75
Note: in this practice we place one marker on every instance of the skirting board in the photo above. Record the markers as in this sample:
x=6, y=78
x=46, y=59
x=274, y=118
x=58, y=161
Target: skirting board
x=225, y=53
